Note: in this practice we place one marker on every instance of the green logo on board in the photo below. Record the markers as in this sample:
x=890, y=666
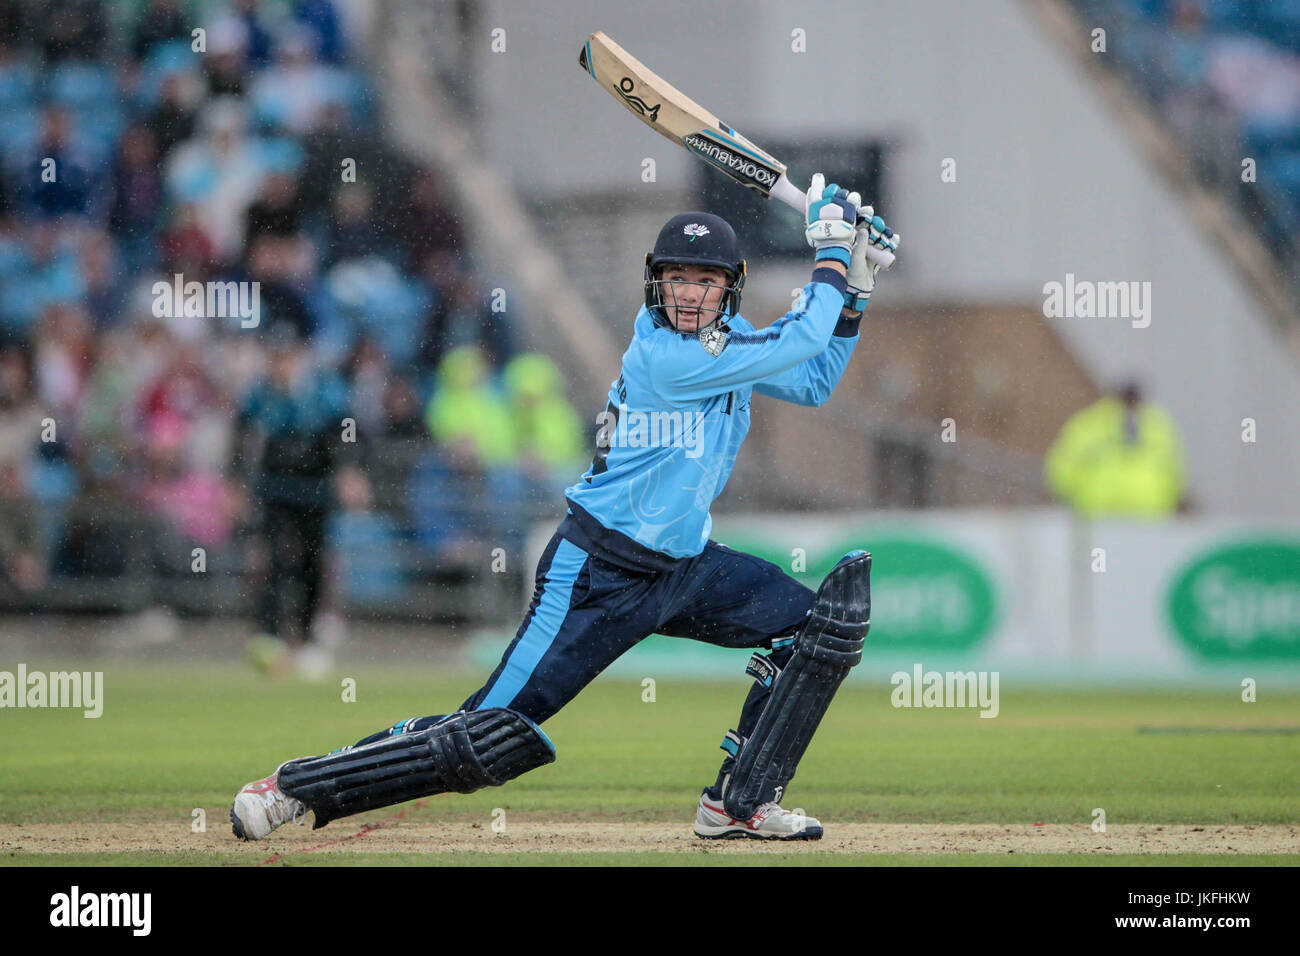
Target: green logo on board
x=925, y=596
x=1240, y=601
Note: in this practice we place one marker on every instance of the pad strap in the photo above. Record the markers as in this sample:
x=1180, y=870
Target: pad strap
x=732, y=743
x=762, y=669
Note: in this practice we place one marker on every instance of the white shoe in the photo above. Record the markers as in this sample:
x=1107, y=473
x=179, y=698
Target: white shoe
x=769, y=822
x=261, y=807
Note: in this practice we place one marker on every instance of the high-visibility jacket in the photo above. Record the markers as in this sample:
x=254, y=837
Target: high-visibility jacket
x=1099, y=470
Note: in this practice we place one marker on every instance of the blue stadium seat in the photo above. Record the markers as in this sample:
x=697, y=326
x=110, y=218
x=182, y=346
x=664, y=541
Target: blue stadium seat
x=164, y=60
x=100, y=130
x=1282, y=23
x=19, y=129
x=1152, y=9
x=82, y=86
x=368, y=549
x=1226, y=14
x=1282, y=174
x=281, y=154
x=17, y=87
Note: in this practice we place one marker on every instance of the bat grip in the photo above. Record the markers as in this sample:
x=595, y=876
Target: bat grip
x=795, y=198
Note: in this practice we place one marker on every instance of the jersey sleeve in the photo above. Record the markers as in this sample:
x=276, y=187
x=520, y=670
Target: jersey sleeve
x=812, y=381
x=685, y=372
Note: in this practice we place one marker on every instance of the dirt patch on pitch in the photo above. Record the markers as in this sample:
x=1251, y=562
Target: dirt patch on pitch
x=529, y=836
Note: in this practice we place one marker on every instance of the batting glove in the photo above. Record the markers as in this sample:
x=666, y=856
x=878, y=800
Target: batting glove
x=861, y=278
x=829, y=216
x=878, y=234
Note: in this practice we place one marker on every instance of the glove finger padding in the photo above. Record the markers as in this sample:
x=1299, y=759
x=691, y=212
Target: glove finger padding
x=829, y=221
x=861, y=278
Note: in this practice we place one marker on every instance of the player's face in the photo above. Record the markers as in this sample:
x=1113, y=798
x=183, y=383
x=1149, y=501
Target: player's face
x=692, y=294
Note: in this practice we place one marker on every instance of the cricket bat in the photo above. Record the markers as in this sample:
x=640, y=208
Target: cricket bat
x=669, y=112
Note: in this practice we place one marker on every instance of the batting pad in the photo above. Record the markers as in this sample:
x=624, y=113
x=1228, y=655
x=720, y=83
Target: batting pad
x=460, y=754
x=827, y=646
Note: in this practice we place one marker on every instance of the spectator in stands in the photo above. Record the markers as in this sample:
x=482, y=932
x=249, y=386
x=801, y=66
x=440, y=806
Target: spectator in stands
x=278, y=264
x=278, y=209
x=468, y=414
x=303, y=469
x=72, y=29
x=257, y=42
x=24, y=565
x=321, y=19
x=1182, y=92
x=479, y=471
x=549, y=436
x=445, y=513
x=41, y=271
x=460, y=314
x=292, y=94
x=426, y=223
x=356, y=231
x=161, y=20
x=185, y=247
x=137, y=197
x=64, y=350
x=98, y=539
x=173, y=118
x=402, y=410
x=58, y=178
x=101, y=278
x=373, y=297
x=226, y=64
x=111, y=396
x=195, y=505
x=368, y=375
x=24, y=415
x=222, y=172
x=17, y=78
x=324, y=149
x=180, y=395
x=1120, y=457
x=20, y=411
x=146, y=404
x=334, y=139
x=14, y=27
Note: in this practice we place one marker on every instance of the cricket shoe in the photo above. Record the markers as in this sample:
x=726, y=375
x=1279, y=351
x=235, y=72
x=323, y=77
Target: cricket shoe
x=262, y=806
x=769, y=822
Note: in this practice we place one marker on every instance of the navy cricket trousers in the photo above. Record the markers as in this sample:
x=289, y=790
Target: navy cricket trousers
x=586, y=612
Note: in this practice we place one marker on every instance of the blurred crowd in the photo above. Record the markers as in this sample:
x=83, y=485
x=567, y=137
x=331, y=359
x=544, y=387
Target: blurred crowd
x=1226, y=75
x=128, y=157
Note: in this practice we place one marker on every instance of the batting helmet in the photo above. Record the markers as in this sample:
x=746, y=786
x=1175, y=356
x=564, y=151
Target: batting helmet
x=698, y=239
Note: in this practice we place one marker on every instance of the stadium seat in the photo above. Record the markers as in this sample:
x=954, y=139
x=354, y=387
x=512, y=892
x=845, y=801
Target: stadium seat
x=81, y=86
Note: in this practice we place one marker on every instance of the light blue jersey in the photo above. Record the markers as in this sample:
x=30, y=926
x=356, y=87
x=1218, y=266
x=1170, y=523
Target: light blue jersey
x=678, y=414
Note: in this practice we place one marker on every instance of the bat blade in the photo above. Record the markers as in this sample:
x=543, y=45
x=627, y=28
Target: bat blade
x=671, y=113
x=674, y=115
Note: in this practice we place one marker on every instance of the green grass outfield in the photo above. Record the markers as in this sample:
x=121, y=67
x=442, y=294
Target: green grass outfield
x=175, y=738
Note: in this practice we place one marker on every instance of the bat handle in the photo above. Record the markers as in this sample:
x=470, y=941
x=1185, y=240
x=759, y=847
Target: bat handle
x=794, y=197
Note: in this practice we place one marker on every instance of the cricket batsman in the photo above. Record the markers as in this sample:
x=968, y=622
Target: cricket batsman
x=633, y=555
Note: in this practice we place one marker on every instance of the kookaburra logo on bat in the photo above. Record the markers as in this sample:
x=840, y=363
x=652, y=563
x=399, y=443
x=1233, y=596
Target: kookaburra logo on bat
x=625, y=88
